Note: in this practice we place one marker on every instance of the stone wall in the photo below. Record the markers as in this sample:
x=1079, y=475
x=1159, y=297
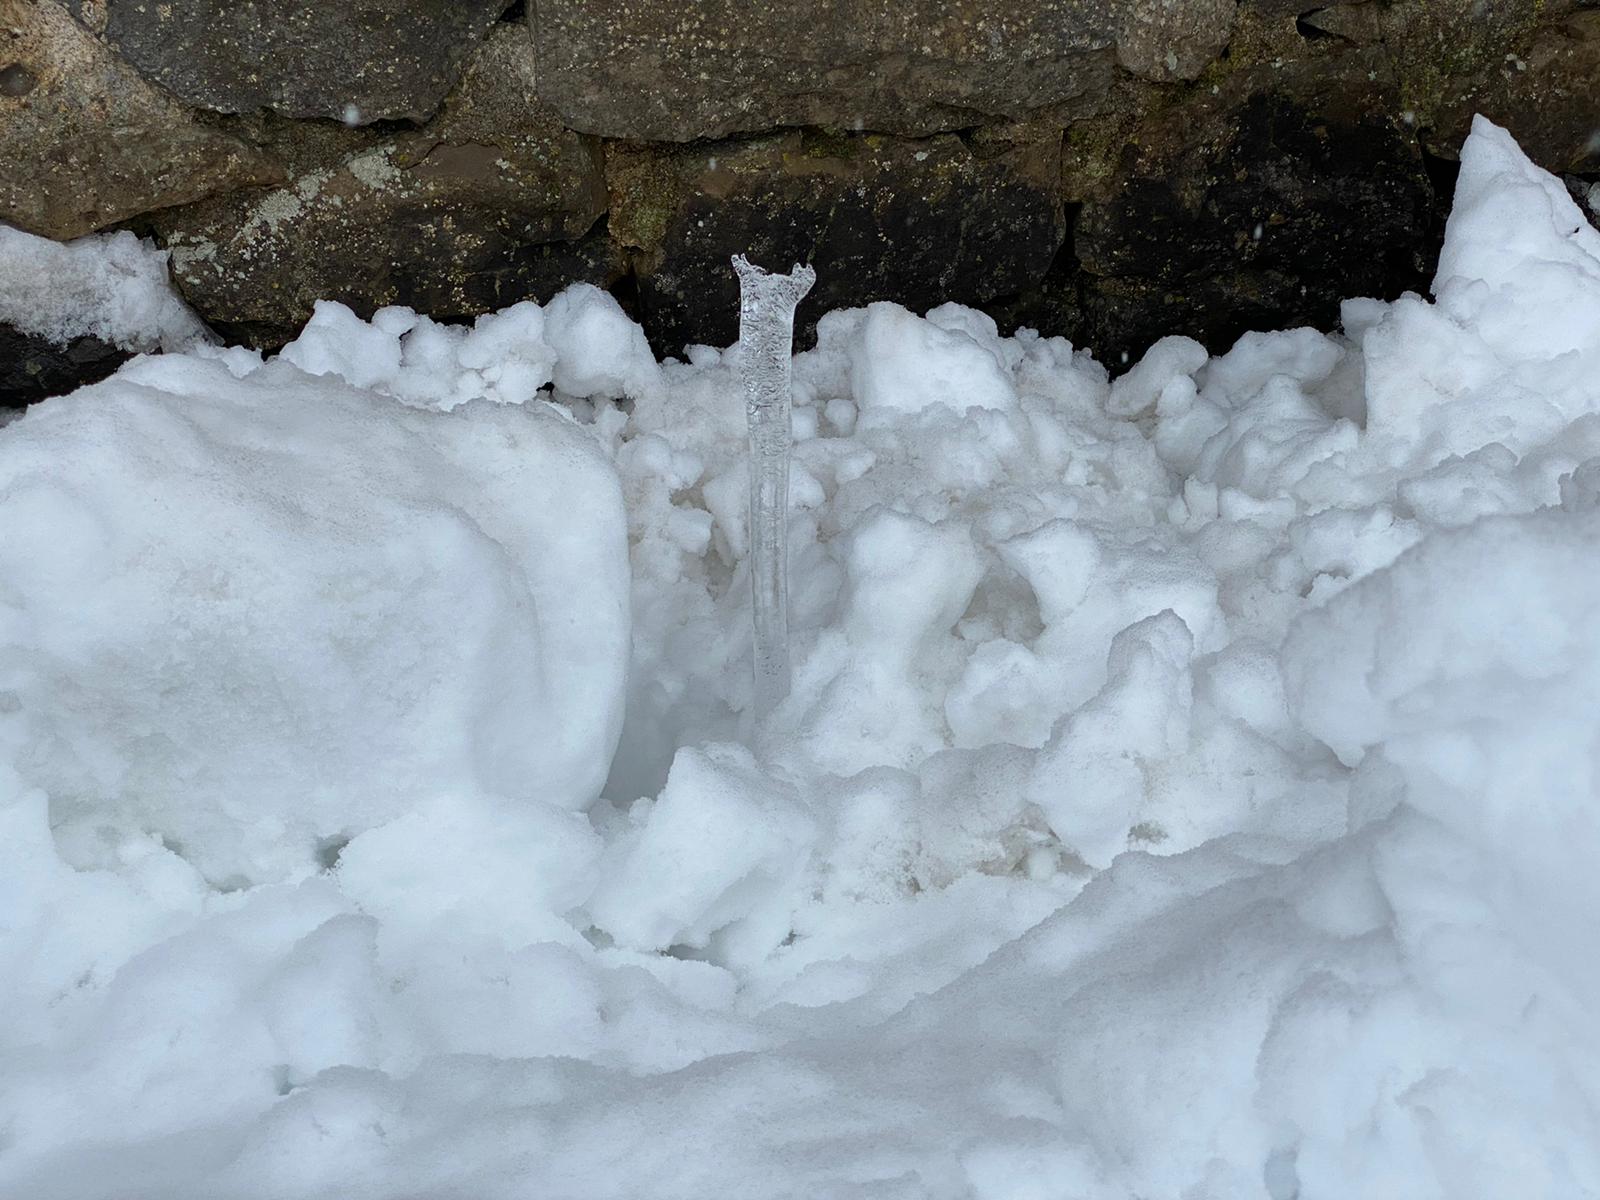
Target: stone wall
x=1108, y=169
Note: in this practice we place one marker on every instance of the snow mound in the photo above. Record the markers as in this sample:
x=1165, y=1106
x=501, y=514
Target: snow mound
x=112, y=286
x=258, y=616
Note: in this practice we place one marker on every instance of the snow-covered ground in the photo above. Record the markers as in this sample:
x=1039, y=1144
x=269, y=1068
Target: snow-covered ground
x=1189, y=786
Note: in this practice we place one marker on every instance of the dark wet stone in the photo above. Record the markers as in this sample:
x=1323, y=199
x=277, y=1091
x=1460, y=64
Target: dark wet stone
x=33, y=368
x=916, y=221
x=16, y=80
x=1258, y=207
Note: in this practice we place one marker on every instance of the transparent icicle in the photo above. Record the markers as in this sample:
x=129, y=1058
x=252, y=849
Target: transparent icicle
x=766, y=339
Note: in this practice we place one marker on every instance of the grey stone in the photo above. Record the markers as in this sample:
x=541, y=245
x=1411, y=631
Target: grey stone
x=351, y=60
x=491, y=203
x=86, y=142
x=918, y=221
x=662, y=70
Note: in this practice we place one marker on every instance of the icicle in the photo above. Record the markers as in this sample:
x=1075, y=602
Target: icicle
x=766, y=339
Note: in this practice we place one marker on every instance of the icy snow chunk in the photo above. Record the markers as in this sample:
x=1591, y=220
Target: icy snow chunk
x=1520, y=260
x=1002, y=696
x=1060, y=560
x=1506, y=355
x=1090, y=586
x=582, y=341
x=598, y=350
x=909, y=580
x=1090, y=781
x=1264, y=415
x=1409, y=646
x=900, y=362
x=256, y=614
x=64, y=930
x=872, y=849
x=713, y=862
x=337, y=342
x=1245, y=683
x=981, y=328
x=509, y=352
x=907, y=583
x=1169, y=365
x=400, y=353
x=483, y=869
x=319, y=1000
x=974, y=813
x=112, y=286
x=1465, y=682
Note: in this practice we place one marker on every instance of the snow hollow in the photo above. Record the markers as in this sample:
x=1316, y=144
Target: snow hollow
x=1188, y=786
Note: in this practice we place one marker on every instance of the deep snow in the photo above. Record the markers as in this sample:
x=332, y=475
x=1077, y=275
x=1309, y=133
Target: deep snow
x=1188, y=786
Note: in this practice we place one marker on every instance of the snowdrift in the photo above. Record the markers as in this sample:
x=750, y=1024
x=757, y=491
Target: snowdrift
x=1188, y=788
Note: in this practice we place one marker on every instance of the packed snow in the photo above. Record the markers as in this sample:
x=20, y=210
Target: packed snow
x=110, y=286
x=1188, y=786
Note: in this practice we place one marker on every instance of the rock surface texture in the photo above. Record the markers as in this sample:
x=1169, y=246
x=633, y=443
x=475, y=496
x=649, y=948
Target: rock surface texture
x=354, y=61
x=86, y=142
x=893, y=219
x=1110, y=170
x=484, y=206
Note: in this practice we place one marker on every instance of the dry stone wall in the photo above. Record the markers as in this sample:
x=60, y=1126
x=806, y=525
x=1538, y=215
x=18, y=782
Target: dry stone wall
x=1111, y=170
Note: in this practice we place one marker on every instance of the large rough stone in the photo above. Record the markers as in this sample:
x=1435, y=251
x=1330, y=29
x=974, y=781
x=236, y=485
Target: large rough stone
x=85, y=142
x=1259, y=204
x=661, y=70
x=488, y=205
x=1541, y=83
x=33, y=368
x=350, y=60
x=917, y=221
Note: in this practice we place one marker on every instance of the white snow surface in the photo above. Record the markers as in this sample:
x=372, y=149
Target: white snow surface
x=1190, y=786
x=112, y=286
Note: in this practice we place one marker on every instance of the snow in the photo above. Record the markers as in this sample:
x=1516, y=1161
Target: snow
x=250, y=616
x=111, y=286
x=1187, y=787
x=582, y=341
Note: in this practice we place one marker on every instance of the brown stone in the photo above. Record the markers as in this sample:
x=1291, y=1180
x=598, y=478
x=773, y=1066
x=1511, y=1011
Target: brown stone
x=489, y=204
x=86, y=142
x=662, y=70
